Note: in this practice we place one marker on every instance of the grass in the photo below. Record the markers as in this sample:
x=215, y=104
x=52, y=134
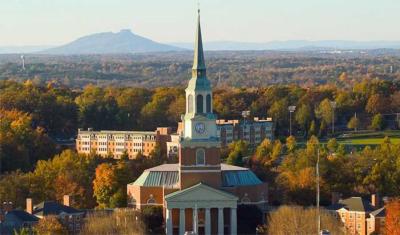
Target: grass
x=367, y=141
x=363, y=138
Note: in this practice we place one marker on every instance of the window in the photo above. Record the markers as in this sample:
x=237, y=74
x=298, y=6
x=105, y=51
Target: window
x=151, y=199
x=190, y=104
x=200, y=157
x=199, y=103
x=208, y=103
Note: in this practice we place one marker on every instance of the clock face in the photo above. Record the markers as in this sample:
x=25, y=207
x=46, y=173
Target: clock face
x=200, y=127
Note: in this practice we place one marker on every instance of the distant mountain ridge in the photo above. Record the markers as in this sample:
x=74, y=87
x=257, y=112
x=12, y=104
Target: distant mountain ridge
x=111, y=43
x=22, y=49
x=301, y=45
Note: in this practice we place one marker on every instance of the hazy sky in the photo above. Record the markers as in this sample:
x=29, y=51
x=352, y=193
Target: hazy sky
x=54, y=22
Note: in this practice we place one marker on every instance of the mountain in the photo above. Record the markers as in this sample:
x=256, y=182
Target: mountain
x=111, y=43
x=301, y=45
x=22, y=49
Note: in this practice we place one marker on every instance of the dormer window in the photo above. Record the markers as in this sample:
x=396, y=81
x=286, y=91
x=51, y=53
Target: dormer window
x=200, y=157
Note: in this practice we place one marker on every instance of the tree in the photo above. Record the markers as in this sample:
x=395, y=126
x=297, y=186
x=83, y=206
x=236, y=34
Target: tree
x=332, y=145
x=303, y=116
x=291, y=143
x=50, y=225
x=104, y=184
x=237, y=151
x=313, y=129
x=278, y=111
x=377, y=104
x=392, y=222
x=21, y=145
x=297, y=220
x=116, y=222
x=325, y=111
x=66, y=173
x=377, y=122
x=354, y=123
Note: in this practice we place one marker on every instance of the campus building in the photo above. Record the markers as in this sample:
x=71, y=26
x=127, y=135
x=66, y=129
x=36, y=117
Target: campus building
x=252, y=131
x=360, y=216
x=116, y=143
x=199, y=193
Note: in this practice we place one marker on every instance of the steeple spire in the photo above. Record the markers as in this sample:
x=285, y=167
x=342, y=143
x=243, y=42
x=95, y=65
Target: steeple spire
x=199, y=66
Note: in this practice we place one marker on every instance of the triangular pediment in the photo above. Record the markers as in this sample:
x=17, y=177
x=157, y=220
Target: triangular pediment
x=200, y=192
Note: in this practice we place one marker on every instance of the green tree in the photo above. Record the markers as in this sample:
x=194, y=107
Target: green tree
x=303, y=116
x=325, y=111
x=354, y=123
x=237, y=151
x=291, y=143
x=377, y=122
x=313, y=129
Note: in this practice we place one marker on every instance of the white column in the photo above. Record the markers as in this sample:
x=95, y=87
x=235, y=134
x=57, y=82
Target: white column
x=195, y=221
x=220, y=221
x=168, y=222
x=182, y=221
x=233, y=221
x=208, y=222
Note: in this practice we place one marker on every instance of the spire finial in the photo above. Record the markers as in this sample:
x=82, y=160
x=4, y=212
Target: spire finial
x=198, y=7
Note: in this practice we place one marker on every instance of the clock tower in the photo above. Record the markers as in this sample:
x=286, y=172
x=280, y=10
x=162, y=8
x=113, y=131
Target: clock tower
x=199, y=151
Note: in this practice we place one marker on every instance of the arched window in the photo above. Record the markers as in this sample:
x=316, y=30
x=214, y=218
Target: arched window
x=199, y=103
x=208, y=103
x=151, y=199
x=200, y=157
x=190, y=104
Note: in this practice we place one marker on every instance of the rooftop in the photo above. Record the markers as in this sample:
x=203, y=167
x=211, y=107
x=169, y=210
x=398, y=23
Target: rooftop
x=168, y=175
x=22, y=216
x=53, y=208
x=353, y=204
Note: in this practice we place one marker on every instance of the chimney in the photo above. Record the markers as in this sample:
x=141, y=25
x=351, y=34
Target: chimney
x=29, y=205
x=67, y=200
x=335, y=197
x=375, y=200
x=7, y=207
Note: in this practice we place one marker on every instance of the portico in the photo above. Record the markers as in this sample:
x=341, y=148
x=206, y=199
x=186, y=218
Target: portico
x=201, y=209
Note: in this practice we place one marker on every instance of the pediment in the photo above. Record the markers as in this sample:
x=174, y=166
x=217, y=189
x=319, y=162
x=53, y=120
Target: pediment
x=200, y=192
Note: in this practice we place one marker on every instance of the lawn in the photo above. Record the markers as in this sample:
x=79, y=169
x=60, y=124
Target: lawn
x=367, y=141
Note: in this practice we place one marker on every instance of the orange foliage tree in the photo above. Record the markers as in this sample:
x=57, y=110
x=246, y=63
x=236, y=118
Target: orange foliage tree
x=392, y=225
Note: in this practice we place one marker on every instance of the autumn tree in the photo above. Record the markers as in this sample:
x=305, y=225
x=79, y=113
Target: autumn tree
x=377, y=122
x=325, y=111
x=21, y=145
x=67, y=173
x=392, y=222
x=303, y=116
x=299, y=220
x=50, y=225
x=116, y=222
x=354, y=123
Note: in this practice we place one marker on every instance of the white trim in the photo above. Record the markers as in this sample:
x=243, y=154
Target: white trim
x=199, y=171
x=218, y=165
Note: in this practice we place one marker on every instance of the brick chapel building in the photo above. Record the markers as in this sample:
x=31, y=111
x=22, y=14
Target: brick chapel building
x=199, y=193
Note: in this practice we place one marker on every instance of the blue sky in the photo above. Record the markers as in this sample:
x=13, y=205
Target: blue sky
x=54, y=22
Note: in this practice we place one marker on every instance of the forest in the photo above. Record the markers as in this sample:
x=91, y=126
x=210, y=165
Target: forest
x=225, y=68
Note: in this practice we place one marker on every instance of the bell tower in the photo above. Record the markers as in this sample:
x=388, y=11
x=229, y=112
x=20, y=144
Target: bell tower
x=199, y=151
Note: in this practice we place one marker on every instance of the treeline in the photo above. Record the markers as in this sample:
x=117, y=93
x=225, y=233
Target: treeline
x=229, y=68
x=33, y=115
x=90, y=180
